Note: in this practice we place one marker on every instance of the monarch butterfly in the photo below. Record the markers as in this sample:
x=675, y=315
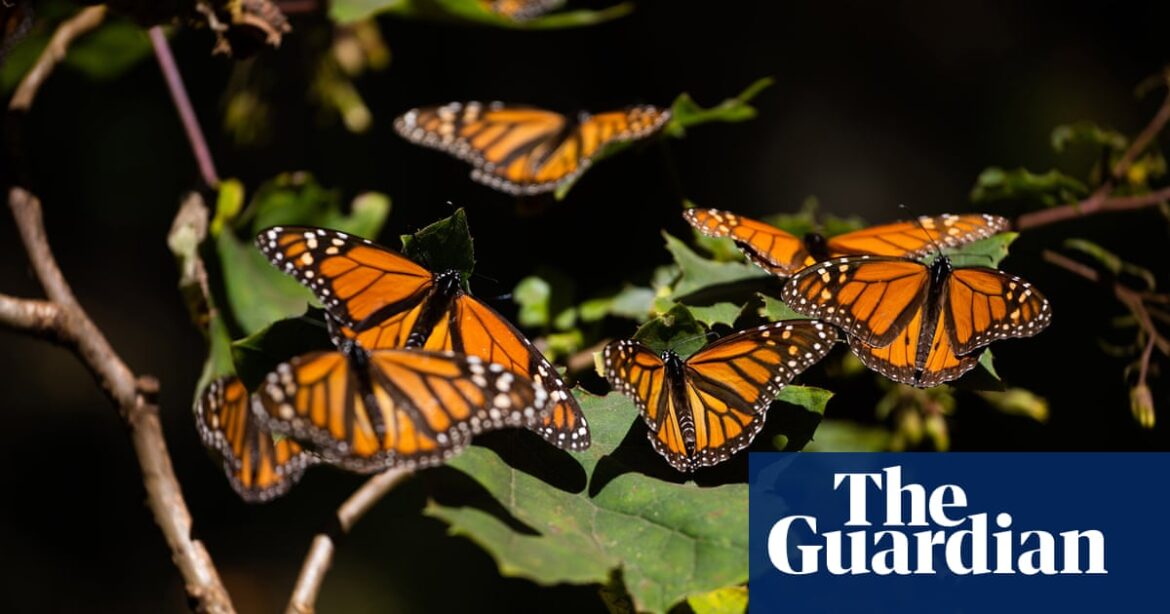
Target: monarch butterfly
x=915, y=323
x=704, y=409
x=524, y=150
x=520, y=10
x=383, y=300
x=783, y=254
x=259, y=467
x=368, y=411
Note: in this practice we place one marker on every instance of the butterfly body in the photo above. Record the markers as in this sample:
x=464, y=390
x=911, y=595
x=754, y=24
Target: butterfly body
x=382, y=300
x=705, y=408
x=918, y=324
x=524, y=150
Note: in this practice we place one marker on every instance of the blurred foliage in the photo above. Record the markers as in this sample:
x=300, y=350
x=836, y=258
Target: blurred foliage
x=474, y=12
x=1050, y=188
x=669, y=540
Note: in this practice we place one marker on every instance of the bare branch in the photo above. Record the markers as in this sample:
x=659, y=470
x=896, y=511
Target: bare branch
x=170, y=70
x=40, y=318
x=1133, y=300
x=1101, y=201
x=84, y=21
x=320, y=557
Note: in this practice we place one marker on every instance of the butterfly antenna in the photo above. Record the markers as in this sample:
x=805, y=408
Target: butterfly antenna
x=925, y=231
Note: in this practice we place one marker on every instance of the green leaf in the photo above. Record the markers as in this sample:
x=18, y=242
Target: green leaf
x=775, y=310
x=1111, y=261
x=442, y=246
x=257, y=292
x=532, y=295
x=719, y=313
x=1087, y=133
x=698, y=272
x=1051, y=188
x=676, y=330
x=296, y=199
x=669, y=540
x=987, y=252
x=809, y=397
x=104, y=54
x=844, y=436
x=470, y=12
x=1018, y=402
x=686, y=113
x=219, y=353
x=228, y=204
x=729, y=600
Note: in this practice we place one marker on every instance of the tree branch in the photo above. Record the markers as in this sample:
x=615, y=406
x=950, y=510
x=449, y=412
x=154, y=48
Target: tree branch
x=1133, y=300
x=63, y=319
x=1101, y=201
x=170, y=70
x=320, y=557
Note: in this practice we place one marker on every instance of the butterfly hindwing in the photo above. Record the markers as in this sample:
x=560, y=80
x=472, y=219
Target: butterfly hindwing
x=908, y=362
x=985, y=305
x=259, y=466
x=393, y=408
x=524, y=150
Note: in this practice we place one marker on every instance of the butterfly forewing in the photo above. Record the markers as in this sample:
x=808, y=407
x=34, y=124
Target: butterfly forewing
x=869, y=297
x=768, y=247
x=407, y=408
x=352, y=277
x=258, y=466
x=984, y=305
x=917, y=238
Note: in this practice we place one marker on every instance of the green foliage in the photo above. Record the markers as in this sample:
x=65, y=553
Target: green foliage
x=845, y=436
x=1051, y=188
x=258, y=293
x=1112, y=262
x=686, y=113
x=987, y=252
x=676, y=330
x=259, y=353
x=669, y=540
x=1018, y=402
x=697, y=273
x=444, y=245
x=104, y=54
x=809, y=220
x=1087, y=133
x=774, y=309
x=469, y=12
x=719, y=313
x=729, y=600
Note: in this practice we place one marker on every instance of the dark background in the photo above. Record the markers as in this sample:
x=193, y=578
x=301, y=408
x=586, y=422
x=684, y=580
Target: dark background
x=874, y=106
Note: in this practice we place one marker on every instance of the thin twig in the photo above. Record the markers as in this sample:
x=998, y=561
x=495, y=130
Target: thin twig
x=31, y=316
x=1101, y=201
x=170, y=70
x=1132, y=299
x=320, y=557
x=84, y=21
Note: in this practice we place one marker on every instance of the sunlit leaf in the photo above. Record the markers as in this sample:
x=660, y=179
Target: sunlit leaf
x=987, y=252
x=719, y=313
x=1087, y=133
x=809, y=397
x=1018, y=402
x=843, y=436
x=296, y=199
x=670, y=540
x=775, y=310
x=257, y=292
x=676, y=330
x=729, y=600
x=686, y=113
x=532, y=295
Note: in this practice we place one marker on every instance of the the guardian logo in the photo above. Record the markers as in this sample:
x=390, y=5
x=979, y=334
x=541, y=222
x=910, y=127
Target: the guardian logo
x=924, y=532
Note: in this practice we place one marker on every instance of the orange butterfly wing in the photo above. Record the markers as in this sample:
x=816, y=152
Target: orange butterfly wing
x=869, y=297
x=916, y=239
x=726, y=388
x=768, y=247
x=393, y=408
x=259, y=467
x=354, y=278
x=523, y=150
x=984, y=305
x=908, y=361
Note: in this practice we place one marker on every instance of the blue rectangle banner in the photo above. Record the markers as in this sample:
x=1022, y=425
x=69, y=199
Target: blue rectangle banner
x=959, y=532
